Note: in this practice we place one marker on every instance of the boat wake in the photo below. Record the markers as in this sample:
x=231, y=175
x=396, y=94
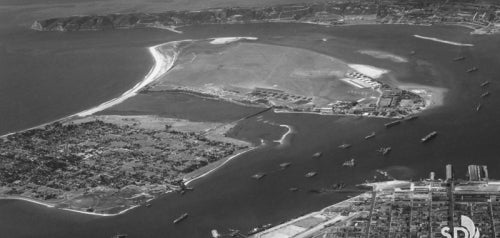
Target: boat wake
x=443, y=41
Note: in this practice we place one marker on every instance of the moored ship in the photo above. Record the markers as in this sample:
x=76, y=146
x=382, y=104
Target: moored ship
x=429, y=136
x=258, y=176
x=473, y=69
x=485, y=83
x=311, y=174
x=349, y=163
x=317, y=155
x=385, y=150
x=371, y=135
x=181, y=218
x=285, y=165
x=392, y=123
x=478, y=107
x=344, y=146
x=486, y=94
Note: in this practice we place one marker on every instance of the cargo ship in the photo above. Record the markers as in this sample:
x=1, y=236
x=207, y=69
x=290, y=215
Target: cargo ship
x=473, y=69
x=371, y=135
x=181, y=218
x=486, y=94
x=344, y=146
x=392, y=123
x=258, y=176
x=458, y=58
x=311, y=174
x=317, y=155
x=428, y=136
x=349, y=163
x=485, y=83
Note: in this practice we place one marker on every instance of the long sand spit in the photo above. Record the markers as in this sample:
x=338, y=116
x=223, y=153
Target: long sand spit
x=443, y=41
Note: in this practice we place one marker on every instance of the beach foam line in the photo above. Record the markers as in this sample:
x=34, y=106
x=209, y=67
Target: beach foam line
x=283, y=137
x=29, y=200
x=443, y=41
x=162, y=65
x=226, y=40
x=100, y=214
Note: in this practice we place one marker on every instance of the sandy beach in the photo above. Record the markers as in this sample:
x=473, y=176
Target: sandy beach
x=163, y=63
x=368, y=70
x=226, y=40
x=384, y=55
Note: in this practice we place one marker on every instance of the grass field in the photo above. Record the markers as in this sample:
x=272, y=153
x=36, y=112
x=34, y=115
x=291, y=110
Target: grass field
x=249, y=65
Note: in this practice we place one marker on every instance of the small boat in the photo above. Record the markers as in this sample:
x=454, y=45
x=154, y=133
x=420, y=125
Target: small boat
x=392, y=123
x=148, y=205
x=371, y=135
x=385, y=150
x=344, y=146
x=349, y=163
x=317, y=155
x=311, y=174
x=485, y=83
x=478, y=107
x=285, y=165
x=411, y=118
x=429, y=136
x=473, y=69
x=458, y=58
x=485, y=94
x=258, y=175
x=412, y=52
x=181, y=218
x=293, y=189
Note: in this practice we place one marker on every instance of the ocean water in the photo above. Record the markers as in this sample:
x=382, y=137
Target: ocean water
x=229, y=198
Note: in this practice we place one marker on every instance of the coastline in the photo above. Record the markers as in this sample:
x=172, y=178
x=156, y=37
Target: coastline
x=161, y=66
x=200, y=173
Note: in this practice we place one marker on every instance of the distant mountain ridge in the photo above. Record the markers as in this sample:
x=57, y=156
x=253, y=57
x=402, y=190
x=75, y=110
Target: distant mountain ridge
x=473, y=14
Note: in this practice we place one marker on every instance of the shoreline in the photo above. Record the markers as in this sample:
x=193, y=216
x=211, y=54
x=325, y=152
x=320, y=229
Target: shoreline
x=187, y=179
x=154, y=73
